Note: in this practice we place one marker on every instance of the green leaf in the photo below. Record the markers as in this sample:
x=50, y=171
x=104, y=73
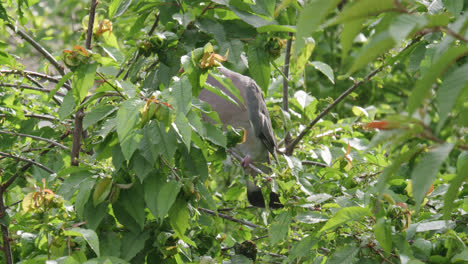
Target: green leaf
x=425, y=171
x=226, y=83
x=449, y=91
x=101, y=191
x=82, y=197
x=97, y=114
x=179, y=217
x=160, y=194
x=88, y=235
x=106, y=260
x=157, y=141
x=251, y=19
x=5, y=59
x=345, y=255
x=183, y=129
x=362, y=9
x=405, y=24
x=59, y=84
x=424, y=84
x=455, y=184
x=378, y=44
x=83, y=80
x=127, y=118
x=346, y=215
x=182, y=95
x=454, y=6
x=303, y=247
x=67, y=107
x=299, y=61
x=348, y=34
x=383, y=234
x=325, y=69
x=133, y=243
x=259, y=66
x=4, y=14
x=133, y=202
x=118, y=7
x=310, y=18
x=280, y=228
x=276, y=28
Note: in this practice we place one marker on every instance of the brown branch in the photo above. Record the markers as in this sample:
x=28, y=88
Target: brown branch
x=78, y=128
x=111, y=85
x=287, y=57
x=35, y=137
x=44, y=117
x=138, y=54
x=290, y=147
x=27, y=160
x=37, y=75
x=228, y=217
x=314, y=163
x=38, y=47
x=29, y=87
x=6, y=247
x=28, y=165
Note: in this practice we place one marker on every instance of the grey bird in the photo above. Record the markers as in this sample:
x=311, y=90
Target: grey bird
x=252, y=116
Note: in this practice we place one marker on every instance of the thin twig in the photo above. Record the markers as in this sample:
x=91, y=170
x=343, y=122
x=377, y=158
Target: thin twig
x=314, y=163
x=38, y=47
x=138, y=54
x=35, y=137
x=6, y=247
x=44, y=117
x=37, y=75
x=111, y=85
x=228, y=217
x=239, y=158
x=27, y=160
x=31, y=79
x=287, y=57
x=28, y=165
x=29, y=87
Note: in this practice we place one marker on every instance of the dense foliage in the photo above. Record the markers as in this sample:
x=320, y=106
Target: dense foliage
x=104, y=156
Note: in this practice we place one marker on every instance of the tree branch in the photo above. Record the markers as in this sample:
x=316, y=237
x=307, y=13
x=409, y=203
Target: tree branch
x=29, y=87
x=27, y=160
x=287, y=57
x=35, y=137
x=6, y=247
x=78, y=128
x=228, y=217
x=38, y=47
x=37, y=75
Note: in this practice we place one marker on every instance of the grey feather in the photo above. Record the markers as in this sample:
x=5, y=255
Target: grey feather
x=251, y=115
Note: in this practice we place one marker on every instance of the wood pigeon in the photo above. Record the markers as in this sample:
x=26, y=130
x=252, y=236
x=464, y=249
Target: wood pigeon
x=253, y=117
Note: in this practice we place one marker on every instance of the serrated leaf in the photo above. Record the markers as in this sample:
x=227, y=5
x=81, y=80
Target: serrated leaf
x=424, y=84
x=302, y=248
x=97, y=114
x=449, y=91
x=118, y=7
x=133, y=203
x=362, y=9
x=348, y=34
x=160, y=194
x=83, y=80
x=127, y=118
x=299, y=61
x=179, y=217
x=259, y=66
x=101, y=191
x=425, y=171
x=59, y=84
x=310, y=18
x=455, y=184
x=183, y=129
x=276, y=28
x=67, y=107
x=345, y=255
x=325, y=69
x=88, y=235
x=383, y=234
x=345, y=215
x=377, y=45
x=280, y=227
x=132, y=244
